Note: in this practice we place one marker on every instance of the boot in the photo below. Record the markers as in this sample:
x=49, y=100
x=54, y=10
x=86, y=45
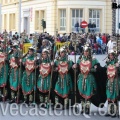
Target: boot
x=82, y=104
x=87, y=108
x=56, y=102
x=41, y=98
x=12, y=97
x=113, y=109
x=30, y=99
x=5, y=94
x=25, y=99
x=66, y=103
x=108, y=110
x=46, y=99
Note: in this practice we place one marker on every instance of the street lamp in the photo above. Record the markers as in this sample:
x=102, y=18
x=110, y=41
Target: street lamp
x=113, y=19
x=0, y=16
x=19, y=23
x=118, y=18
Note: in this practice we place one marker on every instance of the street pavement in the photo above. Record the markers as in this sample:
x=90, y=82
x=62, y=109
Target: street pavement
x=37, y=114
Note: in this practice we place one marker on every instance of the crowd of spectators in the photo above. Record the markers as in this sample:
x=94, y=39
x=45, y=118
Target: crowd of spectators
x=98, y=42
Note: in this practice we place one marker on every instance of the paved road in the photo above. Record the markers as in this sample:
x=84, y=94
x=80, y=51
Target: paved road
x=66, y=115
x=99, y=57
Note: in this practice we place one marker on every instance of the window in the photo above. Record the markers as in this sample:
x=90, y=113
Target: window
x=94, y=16
x=39, y=15
x=37, y=20
x=5, y=21
x=12, y=21
x=63, y=19
x=77, y=15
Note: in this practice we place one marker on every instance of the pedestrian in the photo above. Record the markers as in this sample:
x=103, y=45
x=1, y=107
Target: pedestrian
x=77, y=27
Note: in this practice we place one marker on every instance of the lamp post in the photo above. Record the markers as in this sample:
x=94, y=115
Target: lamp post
x=113, y=19
x=19, y=23
x=118, y=18
x=0, y=16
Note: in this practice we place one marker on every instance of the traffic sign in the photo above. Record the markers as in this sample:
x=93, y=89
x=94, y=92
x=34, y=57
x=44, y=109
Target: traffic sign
x=84, y=24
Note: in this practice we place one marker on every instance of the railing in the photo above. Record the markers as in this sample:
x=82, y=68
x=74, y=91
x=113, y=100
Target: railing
x=26, y=47
x=60, y=44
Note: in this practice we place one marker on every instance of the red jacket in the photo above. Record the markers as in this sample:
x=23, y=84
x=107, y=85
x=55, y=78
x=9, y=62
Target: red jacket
x=104, y=39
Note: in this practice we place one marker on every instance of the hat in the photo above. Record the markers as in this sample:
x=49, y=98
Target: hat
x=15, y=45
x=2, y=41
x=87, y=47
x=45, y=50
x=31, y=48
x=111, y=51
x=63, y=49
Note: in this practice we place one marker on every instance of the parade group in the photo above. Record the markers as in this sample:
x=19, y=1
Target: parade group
x=38, y=78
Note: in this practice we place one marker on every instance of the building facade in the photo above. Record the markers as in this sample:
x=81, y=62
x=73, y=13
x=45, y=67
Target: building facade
x=60, y=15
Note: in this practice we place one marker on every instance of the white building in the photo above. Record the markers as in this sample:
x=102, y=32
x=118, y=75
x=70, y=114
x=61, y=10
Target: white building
x=60, y=15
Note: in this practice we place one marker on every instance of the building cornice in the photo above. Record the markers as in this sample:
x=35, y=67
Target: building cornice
x=16, y=2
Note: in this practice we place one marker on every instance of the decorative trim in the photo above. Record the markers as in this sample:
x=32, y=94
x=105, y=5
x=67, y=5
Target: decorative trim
x=3, y=85
x=27, y=93
x=86, y=97
x=12, y=88
x=65, y=96
x=43, y=91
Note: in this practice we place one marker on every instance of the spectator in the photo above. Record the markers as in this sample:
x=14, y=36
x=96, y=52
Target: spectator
x=89, y=26
x=88, y=40
x=31, y=39
x=16, y=36
x=103, y=47
x=77, y=27
x=95, y=48
x=44, y=45
x=110, y=44
x=10, y=35
x=80, y=46
x=104, y=38
x=71, y=48
x=93, y=27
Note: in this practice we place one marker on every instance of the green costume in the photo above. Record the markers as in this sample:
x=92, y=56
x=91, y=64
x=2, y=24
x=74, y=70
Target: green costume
x=86, y=86
x=43, y=83
x=3, y=72
x=112, y=89
x=15, y=74
x=63, y=84
x=28, y=77
x=113, y=84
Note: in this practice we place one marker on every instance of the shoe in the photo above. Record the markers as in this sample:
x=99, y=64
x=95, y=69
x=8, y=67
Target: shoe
x=26, y=102
x=44, y=106
x=113, y=116
x=57, y=107
x=87, y=111
x=107, y=115
x=82, y=112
